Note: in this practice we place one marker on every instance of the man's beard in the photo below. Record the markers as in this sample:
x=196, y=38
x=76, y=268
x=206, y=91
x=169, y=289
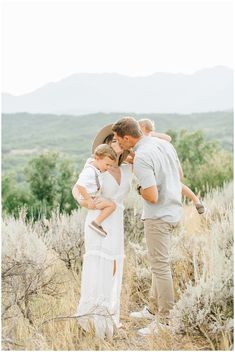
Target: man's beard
x=129, y=147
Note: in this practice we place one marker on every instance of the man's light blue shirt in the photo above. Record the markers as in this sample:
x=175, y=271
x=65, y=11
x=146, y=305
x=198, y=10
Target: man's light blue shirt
x=156, y=163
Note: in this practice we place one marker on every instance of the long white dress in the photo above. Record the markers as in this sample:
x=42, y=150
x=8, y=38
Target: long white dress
x=99, y=305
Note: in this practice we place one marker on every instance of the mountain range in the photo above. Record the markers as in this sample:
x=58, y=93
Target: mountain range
x=84, y=93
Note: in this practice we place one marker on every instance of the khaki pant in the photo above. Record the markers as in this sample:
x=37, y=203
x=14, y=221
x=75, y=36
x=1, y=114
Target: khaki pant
x=158, y=239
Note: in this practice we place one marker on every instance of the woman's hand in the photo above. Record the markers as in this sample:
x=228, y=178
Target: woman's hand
x=130, y=158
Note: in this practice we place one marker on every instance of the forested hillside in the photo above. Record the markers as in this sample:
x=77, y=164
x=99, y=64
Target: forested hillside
x=25, y=135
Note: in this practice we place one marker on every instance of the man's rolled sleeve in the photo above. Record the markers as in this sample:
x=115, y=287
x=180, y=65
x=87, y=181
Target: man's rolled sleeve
x=144, y=173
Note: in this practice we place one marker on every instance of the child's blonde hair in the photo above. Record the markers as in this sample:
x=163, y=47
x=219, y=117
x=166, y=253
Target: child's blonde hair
x=148, y=124
x=104, y=150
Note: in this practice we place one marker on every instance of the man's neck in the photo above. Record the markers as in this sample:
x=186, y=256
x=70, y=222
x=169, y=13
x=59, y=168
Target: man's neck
x=136, y=140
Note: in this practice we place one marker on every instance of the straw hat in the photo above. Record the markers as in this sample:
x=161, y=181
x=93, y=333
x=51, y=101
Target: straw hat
x=101, y=135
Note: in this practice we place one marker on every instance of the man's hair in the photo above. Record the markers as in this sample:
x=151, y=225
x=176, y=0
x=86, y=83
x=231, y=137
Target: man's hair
x=127, y=126
x=104, y=150
x=147, y=123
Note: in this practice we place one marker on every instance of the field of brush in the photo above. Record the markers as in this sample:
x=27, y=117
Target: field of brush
x=41, y=273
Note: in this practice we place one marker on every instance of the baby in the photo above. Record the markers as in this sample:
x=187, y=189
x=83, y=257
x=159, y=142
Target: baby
x=87, y=188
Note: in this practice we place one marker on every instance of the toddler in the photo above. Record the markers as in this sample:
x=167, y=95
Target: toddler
x=87, y=188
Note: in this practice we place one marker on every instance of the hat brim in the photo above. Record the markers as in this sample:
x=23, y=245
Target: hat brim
x=101, y=135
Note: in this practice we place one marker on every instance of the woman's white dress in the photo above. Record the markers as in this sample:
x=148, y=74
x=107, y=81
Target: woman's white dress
x=99, y=304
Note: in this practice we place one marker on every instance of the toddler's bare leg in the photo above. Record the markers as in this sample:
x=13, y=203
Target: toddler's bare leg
x=106, y=208
x=83, y=203
x=187, y=192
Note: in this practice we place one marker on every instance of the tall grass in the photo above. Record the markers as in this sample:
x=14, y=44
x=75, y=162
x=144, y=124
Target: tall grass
x=41, y=272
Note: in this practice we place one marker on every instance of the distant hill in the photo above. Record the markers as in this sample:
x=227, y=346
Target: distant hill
x=26, y=135
x=205, y=90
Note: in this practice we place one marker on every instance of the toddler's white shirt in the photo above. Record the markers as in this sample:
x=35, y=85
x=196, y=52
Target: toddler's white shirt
x=87, y=177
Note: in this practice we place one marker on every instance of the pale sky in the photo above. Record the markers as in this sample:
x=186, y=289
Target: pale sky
x=45, y=41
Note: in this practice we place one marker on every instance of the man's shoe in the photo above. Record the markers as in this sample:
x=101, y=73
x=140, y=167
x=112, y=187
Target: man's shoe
x=152, y=328
x=143, y=314
x=99, y=229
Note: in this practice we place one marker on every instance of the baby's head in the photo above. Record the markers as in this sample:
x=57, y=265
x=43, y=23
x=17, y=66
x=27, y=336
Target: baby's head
x=105, y=157
x=146, y=126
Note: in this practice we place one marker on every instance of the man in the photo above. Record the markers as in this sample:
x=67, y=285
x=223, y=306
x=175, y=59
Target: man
x=157, y=168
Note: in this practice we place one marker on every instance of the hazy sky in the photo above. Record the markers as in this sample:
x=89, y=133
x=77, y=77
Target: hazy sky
x=44, y=41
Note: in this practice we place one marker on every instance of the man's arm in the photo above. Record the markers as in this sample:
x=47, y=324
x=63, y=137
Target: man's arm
x=145, y=174
x=181, y=172
x=150, y=194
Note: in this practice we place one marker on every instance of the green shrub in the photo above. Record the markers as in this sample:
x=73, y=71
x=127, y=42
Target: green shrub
x=49, y=178
x=205, y=165
x=14, y=197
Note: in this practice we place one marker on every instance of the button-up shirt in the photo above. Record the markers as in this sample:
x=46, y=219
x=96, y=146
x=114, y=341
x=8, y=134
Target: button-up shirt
x=156, y=164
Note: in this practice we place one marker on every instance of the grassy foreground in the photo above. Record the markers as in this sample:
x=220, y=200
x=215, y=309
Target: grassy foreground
x=41, y=270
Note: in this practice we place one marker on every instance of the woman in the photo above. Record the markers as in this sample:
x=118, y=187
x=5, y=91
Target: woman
x=99, y=304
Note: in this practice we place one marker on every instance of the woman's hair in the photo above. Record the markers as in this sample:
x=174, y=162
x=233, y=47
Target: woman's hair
x=127, y=126
x=104, y=150
x=148, y=124
x=108, y=139
x=125, y=153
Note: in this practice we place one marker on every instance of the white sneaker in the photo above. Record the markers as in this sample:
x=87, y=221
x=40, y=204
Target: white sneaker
x=143, y=314
x=152, y=328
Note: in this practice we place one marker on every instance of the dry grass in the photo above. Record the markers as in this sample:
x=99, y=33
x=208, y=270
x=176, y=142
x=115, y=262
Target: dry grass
x=50, y=332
